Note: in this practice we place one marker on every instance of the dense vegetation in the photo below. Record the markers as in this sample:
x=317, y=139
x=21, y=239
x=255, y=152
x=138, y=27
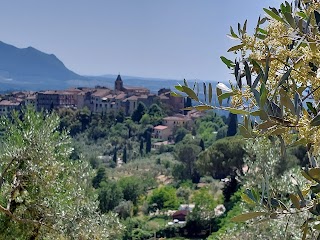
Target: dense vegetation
x=279, y=101
x=104, y=180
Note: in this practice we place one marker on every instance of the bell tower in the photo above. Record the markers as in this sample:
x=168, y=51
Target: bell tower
x=118, y=84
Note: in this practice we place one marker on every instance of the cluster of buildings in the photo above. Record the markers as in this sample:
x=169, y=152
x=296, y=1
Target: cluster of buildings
x=164, y=133
x=106, y=100
x=98, y=99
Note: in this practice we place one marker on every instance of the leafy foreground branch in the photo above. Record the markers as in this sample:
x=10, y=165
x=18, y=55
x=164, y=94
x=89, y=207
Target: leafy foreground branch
x=276, y=89
x=43, y=194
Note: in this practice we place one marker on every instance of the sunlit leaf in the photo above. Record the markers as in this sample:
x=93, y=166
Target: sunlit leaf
x=295, y=201
x=174, y=94
x=236, y=111
x=219, y=93
x=210, y=92
x=190, y=93
x=266, y=125
x=248, y=73
x=290, y=19
x=244, y=131
x=226, y=61
x=314, y=173
x=235, y=48
x=203, y=107
x=315, y=121
x=247, y=216
x=247, y=199
x=263, y=95
x=273, y=15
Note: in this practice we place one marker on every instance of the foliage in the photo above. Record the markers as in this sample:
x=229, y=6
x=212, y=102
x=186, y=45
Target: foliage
x=179, y=134
x=232, y=125
x=44, y=194
x=101, y=176
x=164, y=198
x=139, y=112
x=204, y=203
x=124, y=209
x=187, y=154
x=222, y=158
x=110, y=195
x=132, y=187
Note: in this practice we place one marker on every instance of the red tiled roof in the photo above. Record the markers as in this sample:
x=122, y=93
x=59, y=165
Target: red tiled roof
x=9, y=103
x=101, y=92
x=160, y=127
x=175, y=118
x=136, y=88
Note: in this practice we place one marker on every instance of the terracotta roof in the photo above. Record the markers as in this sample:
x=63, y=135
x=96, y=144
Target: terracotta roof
x=160, y=127
x=132, y=98
x=175, y=118
x=75, y=90
x=49, y=92
x=31, y=97
x=136, y=88
x=9, y=103
x=121, y=96
x=143, y=96
x=101, y=92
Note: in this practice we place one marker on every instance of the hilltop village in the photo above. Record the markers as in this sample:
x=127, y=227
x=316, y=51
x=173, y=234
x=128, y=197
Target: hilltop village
x=104, y=100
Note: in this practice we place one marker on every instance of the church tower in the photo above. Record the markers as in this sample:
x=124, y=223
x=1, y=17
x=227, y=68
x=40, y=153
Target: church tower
x=118, y=84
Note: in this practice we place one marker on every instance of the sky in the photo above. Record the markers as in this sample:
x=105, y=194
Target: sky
x=172, y=39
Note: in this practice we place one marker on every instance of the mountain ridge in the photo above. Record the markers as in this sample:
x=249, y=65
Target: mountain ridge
x=31, y=69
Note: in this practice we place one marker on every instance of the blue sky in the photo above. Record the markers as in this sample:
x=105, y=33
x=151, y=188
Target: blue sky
x=151, y=38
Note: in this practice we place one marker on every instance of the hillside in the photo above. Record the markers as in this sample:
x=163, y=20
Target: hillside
x=29, y=68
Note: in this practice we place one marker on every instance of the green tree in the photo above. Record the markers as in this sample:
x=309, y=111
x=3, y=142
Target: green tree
x=145, y=119
x=222, y=158
x=42, y=192
x=201, y=144
x=115, y=157
x=187, y=155
x=164, y=198
x=139, y=112
x=279, y=62
x=124, y=154
x=101, y=175
x=124, y=209
x=232, y=125
x=110, y=195
x=141, y=146
x=148, y=142
x=132, y=188
x=179, y=134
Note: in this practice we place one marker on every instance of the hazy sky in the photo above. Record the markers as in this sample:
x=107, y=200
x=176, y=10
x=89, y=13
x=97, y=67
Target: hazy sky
x=152, y=38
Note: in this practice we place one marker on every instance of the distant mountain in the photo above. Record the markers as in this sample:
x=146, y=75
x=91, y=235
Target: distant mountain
x=29, y=68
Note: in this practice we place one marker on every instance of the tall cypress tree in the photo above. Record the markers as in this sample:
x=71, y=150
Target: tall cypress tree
x=232, y=124
x=141, y=146
x=115, y=155
x=148, y=142
x=201, y=144
x=124, y=154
